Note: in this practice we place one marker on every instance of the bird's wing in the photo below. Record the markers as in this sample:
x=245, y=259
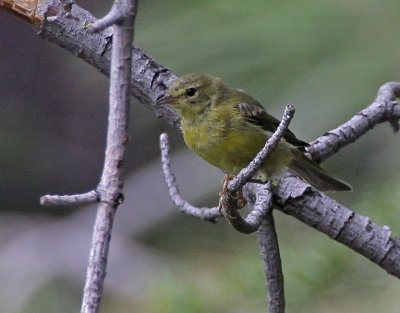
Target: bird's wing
x=256, y=114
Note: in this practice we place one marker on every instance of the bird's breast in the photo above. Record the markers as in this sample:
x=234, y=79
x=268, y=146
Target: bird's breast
x=228, y=147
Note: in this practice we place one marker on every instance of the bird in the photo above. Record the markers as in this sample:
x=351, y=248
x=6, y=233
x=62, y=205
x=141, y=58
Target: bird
x=227, y=127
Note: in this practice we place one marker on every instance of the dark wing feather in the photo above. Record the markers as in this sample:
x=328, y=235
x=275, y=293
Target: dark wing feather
x=257, y=115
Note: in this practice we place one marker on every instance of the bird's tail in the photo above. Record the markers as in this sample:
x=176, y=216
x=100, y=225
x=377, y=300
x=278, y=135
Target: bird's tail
x=315, y=175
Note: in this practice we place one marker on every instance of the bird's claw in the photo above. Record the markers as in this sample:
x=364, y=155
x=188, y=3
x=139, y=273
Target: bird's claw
x=228, y=200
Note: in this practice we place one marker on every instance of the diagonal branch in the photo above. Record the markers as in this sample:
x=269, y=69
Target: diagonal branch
x=249, y=171
x=383, y=109
x=66, y=26
x=294, y=197
x=229, y=200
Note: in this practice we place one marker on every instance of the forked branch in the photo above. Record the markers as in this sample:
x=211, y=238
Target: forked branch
x=110, y=186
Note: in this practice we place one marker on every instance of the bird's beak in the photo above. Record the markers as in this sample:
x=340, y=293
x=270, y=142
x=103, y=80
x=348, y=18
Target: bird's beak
x=164, y=99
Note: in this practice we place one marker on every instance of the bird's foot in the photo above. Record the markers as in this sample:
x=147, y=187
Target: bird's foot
x=228, y=204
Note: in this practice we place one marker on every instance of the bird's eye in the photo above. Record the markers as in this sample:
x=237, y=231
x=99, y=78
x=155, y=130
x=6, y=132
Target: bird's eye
x=190, y=92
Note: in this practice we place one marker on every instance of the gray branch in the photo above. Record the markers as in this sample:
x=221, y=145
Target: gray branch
x=83, y=198
x=383, y=109
x=209, y=214
x=69, y=29
x=294, y=197
x=110, y=186
x=116, y=15
x=268, y=241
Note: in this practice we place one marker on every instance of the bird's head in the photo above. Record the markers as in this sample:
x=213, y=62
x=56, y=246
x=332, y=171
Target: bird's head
x=192, y=95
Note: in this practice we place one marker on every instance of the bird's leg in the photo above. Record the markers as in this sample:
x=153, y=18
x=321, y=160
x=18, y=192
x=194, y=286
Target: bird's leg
x=229, y=201
x=225, y=181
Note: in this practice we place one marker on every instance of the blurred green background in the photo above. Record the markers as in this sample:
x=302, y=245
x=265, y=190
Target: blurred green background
x=328, y=58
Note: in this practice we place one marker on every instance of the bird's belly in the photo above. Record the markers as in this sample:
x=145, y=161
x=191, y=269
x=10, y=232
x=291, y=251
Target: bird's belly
x=235, y=149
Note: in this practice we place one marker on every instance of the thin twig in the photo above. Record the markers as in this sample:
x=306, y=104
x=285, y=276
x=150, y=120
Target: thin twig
x=209, y=214
x=114, y=16
x=110, y=186
x=248, y=172
x=83, y=198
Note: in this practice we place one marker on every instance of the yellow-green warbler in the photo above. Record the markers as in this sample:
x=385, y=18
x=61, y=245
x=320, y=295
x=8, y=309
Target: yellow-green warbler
x=228, y=127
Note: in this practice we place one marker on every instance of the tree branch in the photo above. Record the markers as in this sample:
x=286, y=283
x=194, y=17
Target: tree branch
x=115, y=16
x=83, y=198
x=208, y=214
x=294, y=197
x=383, y=109
x=69, y=29
x=110, y=186
x=66, y=26
x=268, y=241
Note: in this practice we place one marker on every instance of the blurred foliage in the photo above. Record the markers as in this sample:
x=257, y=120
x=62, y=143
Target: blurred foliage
x=328, y=58
x=54, y=294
